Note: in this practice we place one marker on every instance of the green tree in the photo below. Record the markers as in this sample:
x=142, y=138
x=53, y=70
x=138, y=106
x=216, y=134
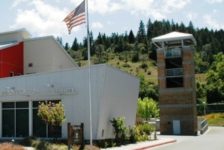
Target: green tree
x=147, y=108
x=141, y=35
x=149, y=29
x=215, y=80
x=75, y=45
x=101, y=55
x=51, y=113
x=67, y=46
x=147, y=89
x=131, y=37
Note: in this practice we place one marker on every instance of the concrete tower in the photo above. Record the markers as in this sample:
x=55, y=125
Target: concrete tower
x=177, y=97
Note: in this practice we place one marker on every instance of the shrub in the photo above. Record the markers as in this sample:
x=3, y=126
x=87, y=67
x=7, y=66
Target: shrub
x=126, y=65
x=119, y=130
x=140, y=133
x=135, y=57
x=144, y=66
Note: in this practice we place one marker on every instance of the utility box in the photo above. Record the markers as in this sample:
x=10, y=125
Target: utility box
x=177, y=96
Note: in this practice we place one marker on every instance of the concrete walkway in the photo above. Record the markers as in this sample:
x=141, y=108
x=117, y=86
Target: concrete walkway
x=143, y=145
x=213, y=139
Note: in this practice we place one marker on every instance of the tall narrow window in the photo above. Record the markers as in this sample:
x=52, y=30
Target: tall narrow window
x=15, y=119
x=40, y=129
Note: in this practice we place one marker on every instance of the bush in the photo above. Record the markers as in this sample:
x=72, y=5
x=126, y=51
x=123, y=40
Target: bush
x=119, y=130
x=144, y=66
x=140, y=133
x=123, y=135
x=135, y=57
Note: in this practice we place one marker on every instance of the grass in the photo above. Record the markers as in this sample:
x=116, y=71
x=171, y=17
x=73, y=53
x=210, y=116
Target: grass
x=134, y=68
x=215, y=119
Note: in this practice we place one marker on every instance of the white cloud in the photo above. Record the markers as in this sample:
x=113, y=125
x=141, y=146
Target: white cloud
x=192, y=16
x=212, y=23
x=97, y=25
x=173, y=5
x=157, y=9
x=215, y=1
x=41, y=19
x=101, y=6
x=154, y=8
x=17, y=2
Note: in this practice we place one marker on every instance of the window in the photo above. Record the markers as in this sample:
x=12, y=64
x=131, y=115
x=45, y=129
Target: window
x=15, y=119
x=173, y=63
x=40, y=129
x=174, y=82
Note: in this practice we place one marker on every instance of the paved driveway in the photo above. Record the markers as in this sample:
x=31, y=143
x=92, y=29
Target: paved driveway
x=213, y=139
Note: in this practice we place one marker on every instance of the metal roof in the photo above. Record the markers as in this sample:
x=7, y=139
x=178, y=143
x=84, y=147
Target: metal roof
x=174, y=36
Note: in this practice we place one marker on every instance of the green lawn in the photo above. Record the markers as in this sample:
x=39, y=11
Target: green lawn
x=215, y=119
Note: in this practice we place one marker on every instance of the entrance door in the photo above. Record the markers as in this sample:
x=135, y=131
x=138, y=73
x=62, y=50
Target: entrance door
x=176, y=127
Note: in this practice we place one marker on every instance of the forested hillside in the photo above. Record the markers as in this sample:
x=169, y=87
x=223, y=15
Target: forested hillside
x=134, y=53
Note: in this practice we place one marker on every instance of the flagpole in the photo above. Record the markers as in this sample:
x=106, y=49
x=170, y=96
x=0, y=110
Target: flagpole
x=89, y=68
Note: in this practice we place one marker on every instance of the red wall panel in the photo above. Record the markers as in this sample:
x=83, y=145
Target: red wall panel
x=11, y=60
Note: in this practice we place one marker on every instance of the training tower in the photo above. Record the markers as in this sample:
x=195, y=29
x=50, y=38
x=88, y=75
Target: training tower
x=177, y=97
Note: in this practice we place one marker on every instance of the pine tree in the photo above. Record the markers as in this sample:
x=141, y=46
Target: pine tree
x=149, y=29
x=131, y=37
x=190, y=27
x=75, y=45
x=141, y=35
x=67, y=46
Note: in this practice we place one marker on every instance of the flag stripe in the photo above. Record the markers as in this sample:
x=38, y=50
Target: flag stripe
x=76, y=17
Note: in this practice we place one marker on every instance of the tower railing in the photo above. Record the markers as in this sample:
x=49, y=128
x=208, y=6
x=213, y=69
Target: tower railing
x=173, y=53
x=174, y=72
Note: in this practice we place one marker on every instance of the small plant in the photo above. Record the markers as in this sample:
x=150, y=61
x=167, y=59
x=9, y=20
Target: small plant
x=140, y=133
x=119, y=130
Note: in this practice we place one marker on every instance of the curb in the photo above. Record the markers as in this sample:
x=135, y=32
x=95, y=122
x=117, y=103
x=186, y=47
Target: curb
x=155, y=145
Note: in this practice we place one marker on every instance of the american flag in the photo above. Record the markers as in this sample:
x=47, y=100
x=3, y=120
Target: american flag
x=76, y=17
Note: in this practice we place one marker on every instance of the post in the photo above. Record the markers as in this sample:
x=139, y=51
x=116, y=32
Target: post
x=82, y=134
x=89, y=63
x=204, y=105
x=69, y=135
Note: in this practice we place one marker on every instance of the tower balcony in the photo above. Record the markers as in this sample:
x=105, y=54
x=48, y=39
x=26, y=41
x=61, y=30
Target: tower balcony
x=175, y=72
x=173, y=52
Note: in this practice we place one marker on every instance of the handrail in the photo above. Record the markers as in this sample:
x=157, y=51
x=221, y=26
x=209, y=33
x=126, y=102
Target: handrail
x=174, y=72
x=173, y=53
x=204, y=126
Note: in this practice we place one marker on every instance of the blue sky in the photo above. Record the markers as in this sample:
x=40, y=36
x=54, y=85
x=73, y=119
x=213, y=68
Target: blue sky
x=44, y=17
